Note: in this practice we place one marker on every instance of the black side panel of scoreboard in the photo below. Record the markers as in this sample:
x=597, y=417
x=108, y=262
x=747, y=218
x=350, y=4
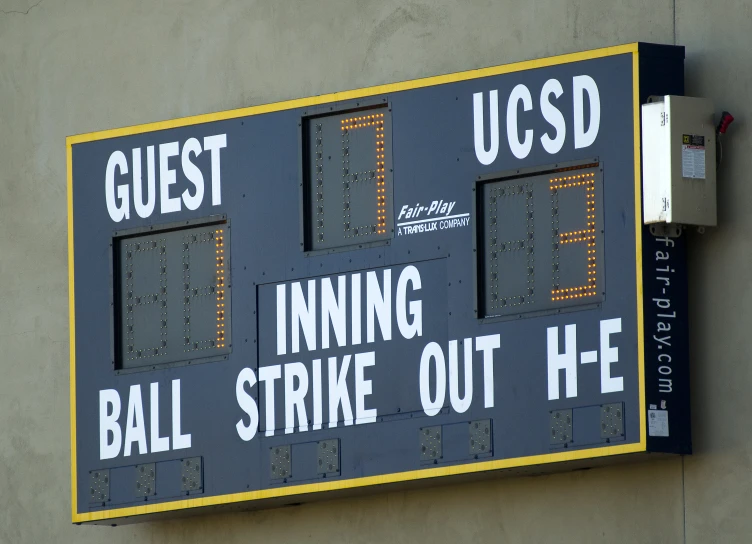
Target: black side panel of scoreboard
x=666, y=291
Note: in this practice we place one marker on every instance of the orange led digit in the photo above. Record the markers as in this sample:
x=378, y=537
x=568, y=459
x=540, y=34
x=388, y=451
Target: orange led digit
x=376, y=121
x=220, y=291
x=346, y=176
x=587, y=236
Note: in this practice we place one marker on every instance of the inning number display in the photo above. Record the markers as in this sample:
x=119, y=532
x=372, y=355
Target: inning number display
x=348, y=180
x=172, y=300
x=541, y=241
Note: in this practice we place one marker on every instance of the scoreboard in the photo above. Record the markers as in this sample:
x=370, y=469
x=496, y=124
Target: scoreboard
x=435, y=280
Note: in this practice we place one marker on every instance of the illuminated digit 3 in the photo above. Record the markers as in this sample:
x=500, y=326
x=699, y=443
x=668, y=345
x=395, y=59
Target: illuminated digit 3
x=376, y=121
x=585, y=236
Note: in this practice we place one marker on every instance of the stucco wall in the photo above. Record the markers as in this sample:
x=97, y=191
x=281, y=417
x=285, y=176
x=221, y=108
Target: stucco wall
x=68, y=67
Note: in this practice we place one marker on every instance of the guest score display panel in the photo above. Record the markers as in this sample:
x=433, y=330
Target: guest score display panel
x=172, y=295
x=442, y=278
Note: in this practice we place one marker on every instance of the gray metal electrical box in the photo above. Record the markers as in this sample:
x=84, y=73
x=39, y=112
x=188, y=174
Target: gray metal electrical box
x=678, y=161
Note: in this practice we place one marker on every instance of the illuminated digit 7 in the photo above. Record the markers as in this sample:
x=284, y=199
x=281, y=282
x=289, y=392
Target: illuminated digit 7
x=585, y=236
x=375, y=120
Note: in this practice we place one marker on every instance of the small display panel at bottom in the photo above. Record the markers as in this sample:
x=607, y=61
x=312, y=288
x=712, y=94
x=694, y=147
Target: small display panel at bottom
x=540, y=241
x=172, y=299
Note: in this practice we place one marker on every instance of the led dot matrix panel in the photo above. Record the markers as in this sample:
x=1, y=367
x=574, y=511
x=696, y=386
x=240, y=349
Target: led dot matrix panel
x=171, y=296
x=540, y=241
x=348, y=179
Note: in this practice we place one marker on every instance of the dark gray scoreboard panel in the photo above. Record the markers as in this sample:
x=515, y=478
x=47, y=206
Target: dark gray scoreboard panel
x=421, y=280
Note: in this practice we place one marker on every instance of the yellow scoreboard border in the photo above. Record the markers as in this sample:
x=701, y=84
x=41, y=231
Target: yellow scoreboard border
x=605, y=451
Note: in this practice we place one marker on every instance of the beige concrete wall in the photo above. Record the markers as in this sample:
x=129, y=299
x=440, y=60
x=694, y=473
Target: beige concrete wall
x=72, y=66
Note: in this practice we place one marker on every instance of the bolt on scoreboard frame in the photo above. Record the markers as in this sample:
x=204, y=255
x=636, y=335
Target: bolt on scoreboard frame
x=432, y=280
